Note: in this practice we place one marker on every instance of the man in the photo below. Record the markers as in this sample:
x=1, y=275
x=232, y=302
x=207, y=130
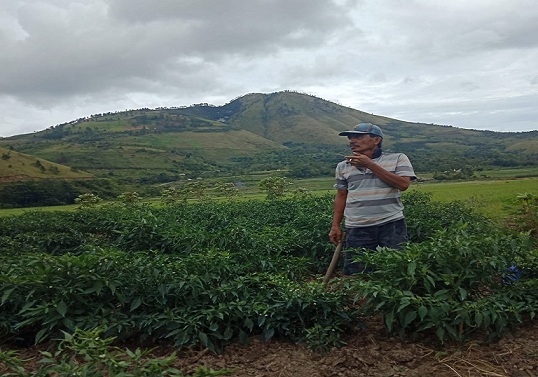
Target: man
x=369, y=184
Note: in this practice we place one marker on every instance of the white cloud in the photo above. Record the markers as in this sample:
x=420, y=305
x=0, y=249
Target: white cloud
x=468, y=64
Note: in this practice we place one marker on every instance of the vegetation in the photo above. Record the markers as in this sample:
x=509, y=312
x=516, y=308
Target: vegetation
x=494, y=198
x=524, y=216
x=195, y=267
x=51, y=192
x=205, y=274
x=289, y=131
x=462, y=280
x=20, y=166
x=274, y=187
x=86, y=353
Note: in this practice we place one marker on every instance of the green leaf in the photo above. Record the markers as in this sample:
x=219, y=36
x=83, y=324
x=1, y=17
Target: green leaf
x=452, y=331
x=112, y=286
x=268, y=333
x=228, y=333
x=389, y=319
x=422, y=311
x=203, y=338
x=249, y=324
x=409, y=317
x=6, y=295
x=61, y=308
x=68, y=323
x=411, y=267
x=478, y=318
x=136, y=303
x=430, y=279
x=261, y=320
x=243, y=337
x=41, y=335
x=403, y=306
x=440, y=333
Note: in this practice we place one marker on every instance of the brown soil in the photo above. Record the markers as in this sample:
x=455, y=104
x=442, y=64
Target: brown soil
x=369, y=353
x=15, y=178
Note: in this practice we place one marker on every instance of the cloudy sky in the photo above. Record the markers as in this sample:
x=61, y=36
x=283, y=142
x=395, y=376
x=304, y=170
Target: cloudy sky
x=465, y=63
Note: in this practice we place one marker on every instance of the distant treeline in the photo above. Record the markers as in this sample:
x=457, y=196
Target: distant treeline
x=51, y=192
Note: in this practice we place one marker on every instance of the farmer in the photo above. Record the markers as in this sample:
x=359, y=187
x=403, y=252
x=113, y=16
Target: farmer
x=369, y=183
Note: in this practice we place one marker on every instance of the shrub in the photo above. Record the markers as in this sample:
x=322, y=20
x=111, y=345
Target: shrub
x=86, y=353
x=203, y=299
x=525, y=214
x=456, y=283
x=204, y=274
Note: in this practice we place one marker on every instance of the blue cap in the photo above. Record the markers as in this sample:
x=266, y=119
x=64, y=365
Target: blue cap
x=364, y=128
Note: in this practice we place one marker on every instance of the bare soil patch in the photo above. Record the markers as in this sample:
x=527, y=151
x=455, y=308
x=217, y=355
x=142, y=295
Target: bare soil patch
x=368, y=352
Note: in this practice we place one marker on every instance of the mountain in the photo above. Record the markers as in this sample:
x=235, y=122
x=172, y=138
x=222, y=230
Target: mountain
x=283, y=130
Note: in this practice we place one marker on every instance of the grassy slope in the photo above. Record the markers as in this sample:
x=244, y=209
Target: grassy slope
x=15, y=164
x=493, y=198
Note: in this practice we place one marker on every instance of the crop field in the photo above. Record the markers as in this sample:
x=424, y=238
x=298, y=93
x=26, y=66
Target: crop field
x=203, y=275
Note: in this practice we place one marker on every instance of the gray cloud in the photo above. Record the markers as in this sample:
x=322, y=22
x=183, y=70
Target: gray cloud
x=460, y=63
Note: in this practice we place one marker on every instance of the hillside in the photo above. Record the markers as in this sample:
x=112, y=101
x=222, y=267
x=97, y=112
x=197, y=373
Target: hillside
x=256, y=132
x=16, y=166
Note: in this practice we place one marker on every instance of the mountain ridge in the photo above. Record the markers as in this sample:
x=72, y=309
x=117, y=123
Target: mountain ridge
x=260, y=131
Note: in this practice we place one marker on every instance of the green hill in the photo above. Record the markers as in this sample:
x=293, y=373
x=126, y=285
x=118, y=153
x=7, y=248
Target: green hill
x=16, y=166
x=283, y=130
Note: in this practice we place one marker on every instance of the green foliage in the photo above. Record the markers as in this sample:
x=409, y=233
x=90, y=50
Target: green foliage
x=197, y=189
x=88, y=201
x=39, y=165
x=51, y=192
x=274, y=187
x=322, y=338
x=466, y=172
x=286, y=130
x=130, y=198
x=459, y=281
x=174, y=195
x=425, y=216
x=205, y=299
x=203, y=255
x=188, y=190
x=227, y=189
x=86, y=353
x=210, y=273
x=525, y=214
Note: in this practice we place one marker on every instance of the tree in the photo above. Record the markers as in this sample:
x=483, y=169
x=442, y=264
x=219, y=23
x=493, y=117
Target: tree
x=227, y=189
x=88, y=201
x=275, y=187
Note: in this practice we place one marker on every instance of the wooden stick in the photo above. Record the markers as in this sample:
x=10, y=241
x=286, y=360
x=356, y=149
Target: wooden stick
x=334, y=263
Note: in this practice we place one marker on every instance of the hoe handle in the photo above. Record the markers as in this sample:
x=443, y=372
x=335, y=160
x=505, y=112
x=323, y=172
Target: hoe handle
x=334, y=262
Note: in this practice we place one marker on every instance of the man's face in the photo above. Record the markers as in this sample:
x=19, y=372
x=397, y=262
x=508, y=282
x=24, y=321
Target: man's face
x=364, y=143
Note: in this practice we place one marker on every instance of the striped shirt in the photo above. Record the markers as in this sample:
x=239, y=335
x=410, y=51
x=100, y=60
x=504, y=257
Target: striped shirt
x=370, y=201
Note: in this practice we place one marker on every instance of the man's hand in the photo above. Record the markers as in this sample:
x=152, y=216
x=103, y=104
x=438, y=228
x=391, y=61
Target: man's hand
x=335, y=235
x=359, y=160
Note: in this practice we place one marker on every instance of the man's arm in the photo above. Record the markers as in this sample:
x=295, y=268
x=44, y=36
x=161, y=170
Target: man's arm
x=400, y=182
x=335, y=235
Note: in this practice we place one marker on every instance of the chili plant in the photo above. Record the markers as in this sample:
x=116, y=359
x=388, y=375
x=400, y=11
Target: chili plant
x=454, y=284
